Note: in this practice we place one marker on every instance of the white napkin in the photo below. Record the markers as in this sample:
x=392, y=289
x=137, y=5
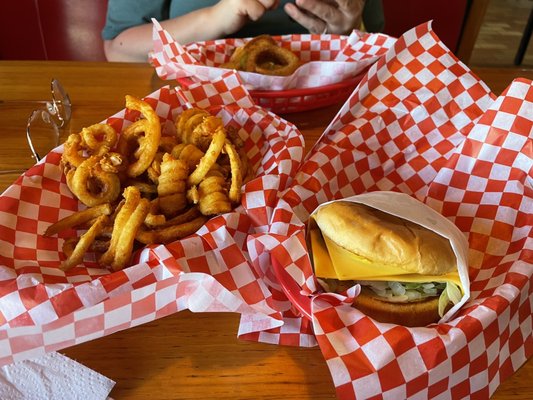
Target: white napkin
x=52, y=376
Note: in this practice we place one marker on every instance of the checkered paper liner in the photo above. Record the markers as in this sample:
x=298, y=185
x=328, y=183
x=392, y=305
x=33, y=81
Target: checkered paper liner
x=423, y=124
x=327, y=59
x=44, y=309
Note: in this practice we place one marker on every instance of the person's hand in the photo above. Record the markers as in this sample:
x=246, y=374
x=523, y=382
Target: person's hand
x=234, y=14
x=331, y=16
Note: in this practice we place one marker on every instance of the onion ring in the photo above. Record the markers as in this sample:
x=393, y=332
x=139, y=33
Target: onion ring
x=240, y=54
x=264, y=56
x=272, y=60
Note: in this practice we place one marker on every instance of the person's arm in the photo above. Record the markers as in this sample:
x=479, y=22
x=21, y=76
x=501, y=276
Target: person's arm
x=224, y=18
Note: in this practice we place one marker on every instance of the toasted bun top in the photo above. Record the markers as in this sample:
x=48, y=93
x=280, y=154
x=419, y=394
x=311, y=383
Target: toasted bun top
x=385, y=239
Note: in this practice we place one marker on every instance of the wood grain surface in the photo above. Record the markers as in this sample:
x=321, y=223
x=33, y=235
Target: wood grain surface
x=184, y=355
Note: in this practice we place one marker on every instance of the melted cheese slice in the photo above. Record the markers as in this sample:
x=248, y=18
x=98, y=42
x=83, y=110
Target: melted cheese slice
x=332, y=261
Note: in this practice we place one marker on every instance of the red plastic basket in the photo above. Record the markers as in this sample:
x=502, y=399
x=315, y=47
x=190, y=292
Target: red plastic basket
x=298, y=100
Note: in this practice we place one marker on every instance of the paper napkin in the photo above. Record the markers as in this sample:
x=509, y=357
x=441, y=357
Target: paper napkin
x=52, y=376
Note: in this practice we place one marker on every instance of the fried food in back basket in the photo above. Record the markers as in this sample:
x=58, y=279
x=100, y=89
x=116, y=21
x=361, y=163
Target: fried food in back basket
x=264, y=56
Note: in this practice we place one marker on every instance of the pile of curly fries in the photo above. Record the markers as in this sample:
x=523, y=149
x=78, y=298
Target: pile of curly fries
x=141, y=187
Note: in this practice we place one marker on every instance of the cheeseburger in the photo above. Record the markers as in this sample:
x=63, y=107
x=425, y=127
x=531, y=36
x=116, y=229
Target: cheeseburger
x=408, y=274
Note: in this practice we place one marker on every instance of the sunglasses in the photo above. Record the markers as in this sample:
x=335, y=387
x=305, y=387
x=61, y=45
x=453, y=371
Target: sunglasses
x=44, y=124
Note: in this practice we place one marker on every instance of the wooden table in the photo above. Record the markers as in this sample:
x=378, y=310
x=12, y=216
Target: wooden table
x=185, y=355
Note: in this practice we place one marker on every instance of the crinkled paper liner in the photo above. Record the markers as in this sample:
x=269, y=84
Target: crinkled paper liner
x=419, y=123
x=327, y=59
x=44, y=309
x=423, y=124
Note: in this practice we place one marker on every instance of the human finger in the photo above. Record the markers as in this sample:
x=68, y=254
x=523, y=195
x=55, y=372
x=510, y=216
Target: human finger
x=349, y=5
x=309, y=21
x=327, y=11
x=269, y=4
x=253, y=9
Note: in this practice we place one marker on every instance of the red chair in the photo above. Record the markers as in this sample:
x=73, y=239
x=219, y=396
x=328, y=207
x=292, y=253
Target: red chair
x=456, y=22
x=52, y=30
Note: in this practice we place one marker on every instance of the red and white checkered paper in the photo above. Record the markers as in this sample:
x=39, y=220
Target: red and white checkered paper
x=422, y=123
x=44, y=309
x=327, y=59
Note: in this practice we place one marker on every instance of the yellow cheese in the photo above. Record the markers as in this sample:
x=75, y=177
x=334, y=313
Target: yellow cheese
x=332, y=261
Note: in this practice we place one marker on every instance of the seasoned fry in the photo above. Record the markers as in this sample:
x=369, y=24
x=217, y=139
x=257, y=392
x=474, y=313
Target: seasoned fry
x=189, y=117
x=236, y=174
x=171, y=185
x=192, y=195
x=124, y=246
x=202, y=134
x=72, y=156
x=99, y=245
x=99, y=138
x=188, y=153
x=142, y=136
x=167, y=143
x=76, y=257
x=147, y=188
x=69, y=245
x=213, y=196
x=209, y=159
x=187, y=216
x=172, y=232
x=132, y=195
x=155, y=220
x=154, y=170
x=78, y=218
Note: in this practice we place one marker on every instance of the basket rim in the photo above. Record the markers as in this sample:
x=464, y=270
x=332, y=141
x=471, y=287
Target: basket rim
x=307, y=91
x=186, y=81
